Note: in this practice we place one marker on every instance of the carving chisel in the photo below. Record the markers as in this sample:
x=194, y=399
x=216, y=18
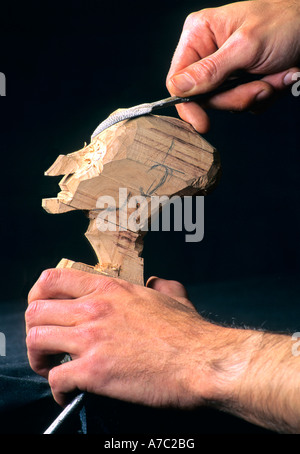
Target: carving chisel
x=147, y=108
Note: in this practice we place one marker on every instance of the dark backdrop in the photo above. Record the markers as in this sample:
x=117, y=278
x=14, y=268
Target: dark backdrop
x=70, y=64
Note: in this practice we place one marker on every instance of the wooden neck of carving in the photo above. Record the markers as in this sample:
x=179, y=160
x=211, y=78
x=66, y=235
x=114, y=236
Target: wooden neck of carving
x=118, y=252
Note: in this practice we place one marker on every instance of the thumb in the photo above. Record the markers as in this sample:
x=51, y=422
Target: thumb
x=206, y=74
x=174, y=289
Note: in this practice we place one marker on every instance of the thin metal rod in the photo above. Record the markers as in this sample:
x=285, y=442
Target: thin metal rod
x=74, y=405
x=147, y=108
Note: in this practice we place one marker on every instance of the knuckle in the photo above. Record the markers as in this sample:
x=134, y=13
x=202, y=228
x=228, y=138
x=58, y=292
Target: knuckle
x=103, y=309
x=48, y=276
x=53, y=378
x=108, y=284
x=94, y=308
x=33, y=337
x=243, y=35
x=31, y=312
x=208, y=69
x=197, y=19
x=87, y=335
x=89, y=308
x=191, y=19
x=99, y=366
x=246, y=41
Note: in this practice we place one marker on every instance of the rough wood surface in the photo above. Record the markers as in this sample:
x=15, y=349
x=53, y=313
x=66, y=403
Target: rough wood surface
x=149, y=156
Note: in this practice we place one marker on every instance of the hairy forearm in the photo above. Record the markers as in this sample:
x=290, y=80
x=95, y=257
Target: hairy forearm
x=257, y=378
x=275, y=398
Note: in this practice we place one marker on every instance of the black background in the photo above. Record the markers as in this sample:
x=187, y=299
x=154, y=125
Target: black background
x=68, y=65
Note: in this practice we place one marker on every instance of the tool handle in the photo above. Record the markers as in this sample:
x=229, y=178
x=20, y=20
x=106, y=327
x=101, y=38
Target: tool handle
x=229, y=84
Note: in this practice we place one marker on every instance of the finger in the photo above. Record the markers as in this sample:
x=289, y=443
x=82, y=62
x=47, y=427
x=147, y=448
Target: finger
x=280, y=81
x=45, y=341
x=195, y=115
x=54, y=312
x=242, y=97
x=205, y=75
x=246, y=96
x=196, y=41
x=184, y=56
x=174, y=289
x=256, y=96
x=67, y=283
x=67, y=379
x=66, y=313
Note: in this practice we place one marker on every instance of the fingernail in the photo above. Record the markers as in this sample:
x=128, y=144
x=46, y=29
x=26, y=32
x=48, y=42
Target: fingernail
x=183, y=82
x=290, y=77
x=262, y=95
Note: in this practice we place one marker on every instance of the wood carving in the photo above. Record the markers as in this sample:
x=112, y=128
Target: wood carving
x=147, y=156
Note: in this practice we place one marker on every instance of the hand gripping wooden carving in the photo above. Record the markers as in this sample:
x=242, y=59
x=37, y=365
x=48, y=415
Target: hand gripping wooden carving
x=147, y=156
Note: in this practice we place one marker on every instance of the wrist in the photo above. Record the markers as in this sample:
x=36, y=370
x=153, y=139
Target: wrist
x=231, y=359
x=221, y=360
x=269, y=390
